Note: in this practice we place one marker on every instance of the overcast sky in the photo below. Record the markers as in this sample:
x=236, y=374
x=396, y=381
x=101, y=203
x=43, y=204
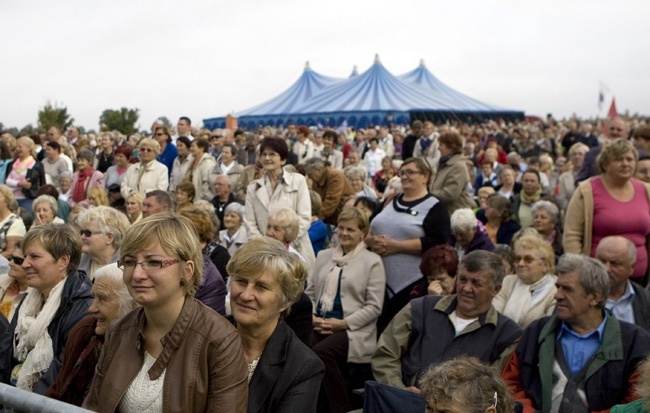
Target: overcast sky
x=203, y=58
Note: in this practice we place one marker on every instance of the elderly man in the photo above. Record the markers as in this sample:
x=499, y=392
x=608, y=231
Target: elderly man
x=223, y=197
x=427, y=146
x=581, y=359
x=433, y=329
x=616, y=128
x=628, y=301
x=331, y=185
x=156, y=202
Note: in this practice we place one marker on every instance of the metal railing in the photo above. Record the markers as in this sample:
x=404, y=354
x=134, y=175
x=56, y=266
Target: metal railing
x=16, y=400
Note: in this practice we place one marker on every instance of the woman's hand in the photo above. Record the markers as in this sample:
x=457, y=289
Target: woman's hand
x=328, y=325
x=435, y=288
x=384, y=245
x=25, y=184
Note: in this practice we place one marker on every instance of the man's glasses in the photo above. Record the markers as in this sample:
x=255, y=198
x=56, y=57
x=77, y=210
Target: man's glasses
x=88, y=233
x=528, y=259
x=408, y=172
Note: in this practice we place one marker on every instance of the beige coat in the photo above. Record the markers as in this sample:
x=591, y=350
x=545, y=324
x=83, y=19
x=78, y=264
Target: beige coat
x=450, y=185
x=292, y=192
x=363, y=282
x=512, y=288
x=201, y=178
x=154, y=177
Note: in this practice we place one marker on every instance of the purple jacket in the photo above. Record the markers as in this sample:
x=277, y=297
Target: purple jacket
x=212, y=291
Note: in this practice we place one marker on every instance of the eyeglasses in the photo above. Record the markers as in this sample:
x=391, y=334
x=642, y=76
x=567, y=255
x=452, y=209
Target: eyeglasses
x=129, y=264
x=528, y=259
x=215, y=137
x=161, y=134
x=17, y=260
x=145, y=150
x=88, y=233
x=269, y=155
x=408, y=172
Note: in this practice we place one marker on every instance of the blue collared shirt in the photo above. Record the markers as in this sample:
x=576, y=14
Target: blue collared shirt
x=622, y=308
x=578, y=350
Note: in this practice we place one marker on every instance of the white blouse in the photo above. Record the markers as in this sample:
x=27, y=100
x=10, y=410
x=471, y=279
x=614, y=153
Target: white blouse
x=144, y=395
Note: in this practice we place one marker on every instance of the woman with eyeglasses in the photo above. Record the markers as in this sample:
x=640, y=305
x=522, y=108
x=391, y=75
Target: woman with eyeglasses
x=148, y=174
x=276, y=189
x=530, y=293
x=465, y=384
x=168, y=151
x=13, y=286
x=102, y=229
x=172, y=354
x=407, y=226
x=31, y=349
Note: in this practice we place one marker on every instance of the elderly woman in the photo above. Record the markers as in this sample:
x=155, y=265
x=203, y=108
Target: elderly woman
x=452, y=178
x=150, y=350
x=134, y=206
x=58, y=298
x=111, y=300
x=12, y=227
x=106, y=154
x=168, y=151
x=357, y=176
x=346, y=288
x=85, y=178
x=612, y=203
x=530, y=293
x=45, y=210
x=234, y=236
x=212, y=291
x=501, y=224
x=467, y=236
x=185, y=194
x=284, y=375
x=465, y=384
x=25, y=174
x=381, y=178
x=115, y=174
x=199, y=172
x=566, y=181
x=102, y=229
x=53, y=163
x=408, y=226
x=547, y=222
x=97, y=196
x=438, y=268
x=148, y=174
x=65, y=186
x=508, y=187
x=13, y=286
x=278, y=188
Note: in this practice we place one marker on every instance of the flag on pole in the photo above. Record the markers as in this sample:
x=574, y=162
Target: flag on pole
x=601, y=95
x=613, y=113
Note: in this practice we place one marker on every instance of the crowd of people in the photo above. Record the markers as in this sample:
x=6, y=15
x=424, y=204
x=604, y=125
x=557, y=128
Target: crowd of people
x=466, y=267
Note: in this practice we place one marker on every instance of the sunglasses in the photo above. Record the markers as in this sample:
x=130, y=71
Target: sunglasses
x=528, y=259
x=145, y=150
x=161, y=134
x=17, y=260
x=88, y=233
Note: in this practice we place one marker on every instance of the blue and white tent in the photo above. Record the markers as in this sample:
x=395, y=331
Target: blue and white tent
x=371, y=98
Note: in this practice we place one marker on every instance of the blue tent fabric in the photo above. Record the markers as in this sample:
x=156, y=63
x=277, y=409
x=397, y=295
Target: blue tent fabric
x=375, y=97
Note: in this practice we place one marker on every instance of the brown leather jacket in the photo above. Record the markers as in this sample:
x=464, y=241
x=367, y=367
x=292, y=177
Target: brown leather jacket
x=202, y=356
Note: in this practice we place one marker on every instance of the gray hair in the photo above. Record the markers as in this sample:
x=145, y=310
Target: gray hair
x=480, y=260
x=48, y=199
x=463, y=220
x=162, y=197
x=315, y=164
x=549, y=207
x=65, y=174
x=592, y=274
x=631, y=248
x=237, y=208
x=109, y=220
x=113, y=275
x=87, y=155
x=356, y=171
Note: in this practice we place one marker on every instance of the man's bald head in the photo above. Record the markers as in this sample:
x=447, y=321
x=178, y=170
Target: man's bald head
x=619, y=256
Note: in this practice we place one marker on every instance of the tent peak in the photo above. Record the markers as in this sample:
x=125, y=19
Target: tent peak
x=355, y=71
x=377, y=61
x=422, y=65
x=307, y=68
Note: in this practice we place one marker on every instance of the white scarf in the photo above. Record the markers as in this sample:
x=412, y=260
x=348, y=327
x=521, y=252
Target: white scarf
x=332, y=281
x=34, y=341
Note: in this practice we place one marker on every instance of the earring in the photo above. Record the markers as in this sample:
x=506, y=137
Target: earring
x=183, y=282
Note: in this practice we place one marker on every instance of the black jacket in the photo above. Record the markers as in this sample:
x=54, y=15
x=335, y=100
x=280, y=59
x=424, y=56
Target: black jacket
x=287, y=377
x=36, y=176
x=75, y=300
x=641, y=307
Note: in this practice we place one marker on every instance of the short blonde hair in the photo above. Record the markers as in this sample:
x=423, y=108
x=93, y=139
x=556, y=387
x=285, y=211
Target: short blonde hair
x=137, y=196
x=613, y=151
x=98, y=193
x=267, y=255
x=58, y=240
x=109, y=220
x=288, y=220
x=355, y=214
x=543, y=246
x=8, y=195
x=150, y=143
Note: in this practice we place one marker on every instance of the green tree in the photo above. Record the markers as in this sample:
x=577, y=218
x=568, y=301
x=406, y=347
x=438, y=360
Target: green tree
x=53, y=115
x=123, y=120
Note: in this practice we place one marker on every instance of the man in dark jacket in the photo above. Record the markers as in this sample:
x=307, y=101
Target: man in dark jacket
x=627, y=300
x=581, y=359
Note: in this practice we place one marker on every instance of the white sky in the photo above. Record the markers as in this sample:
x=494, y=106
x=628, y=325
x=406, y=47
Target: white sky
x=205, y=58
